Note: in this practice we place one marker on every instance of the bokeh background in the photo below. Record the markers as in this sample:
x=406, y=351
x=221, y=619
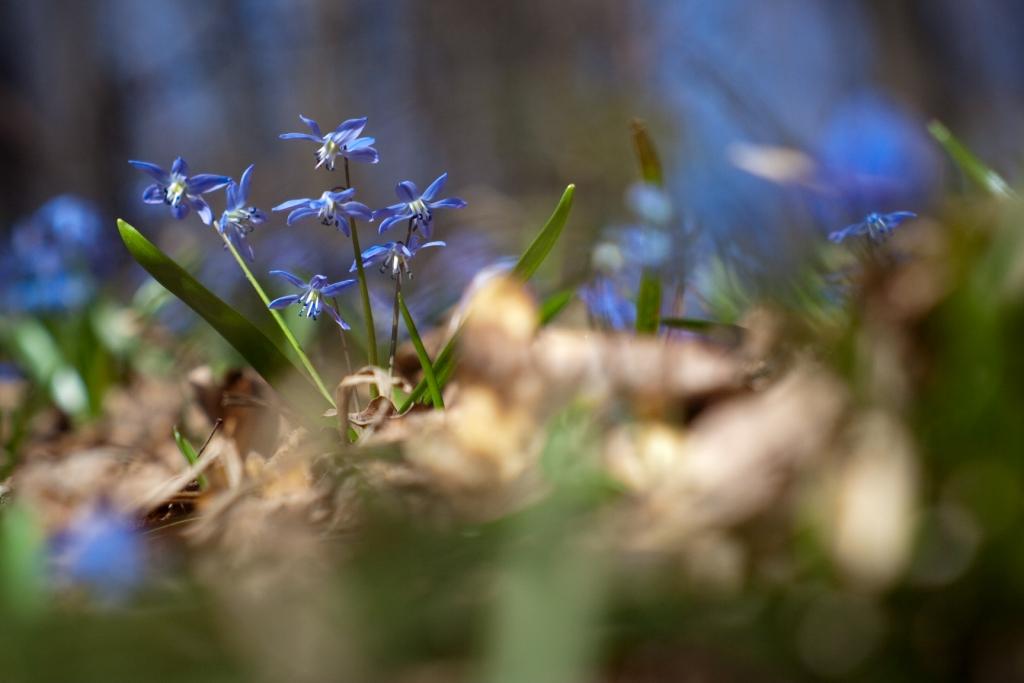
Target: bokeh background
x=514, y=100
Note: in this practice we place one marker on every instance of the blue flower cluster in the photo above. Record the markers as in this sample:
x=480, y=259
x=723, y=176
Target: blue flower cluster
x=53, y=256
x=183, y=192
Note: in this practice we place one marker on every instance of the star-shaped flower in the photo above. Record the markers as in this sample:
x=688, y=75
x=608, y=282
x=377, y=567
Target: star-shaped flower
x=238, y=220
x=311, y=300
x=330, y=207
x=417, y=207
x=343, y=141
x=179, y=190
x=394, y=256
x=876, y=226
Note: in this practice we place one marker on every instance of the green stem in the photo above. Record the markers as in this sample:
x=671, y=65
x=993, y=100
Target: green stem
x=364, y=291
x=421, y=351
x=280, y=322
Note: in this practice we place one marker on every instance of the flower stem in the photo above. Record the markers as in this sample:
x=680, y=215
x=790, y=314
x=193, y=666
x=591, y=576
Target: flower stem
x=364, y=292
x=394, y=323
x=314, y=375
x=421, y=351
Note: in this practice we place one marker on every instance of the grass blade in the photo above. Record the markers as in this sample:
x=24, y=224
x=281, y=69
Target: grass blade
x=555, y=304
x=646, y=154
x=189, y=453
x=421, y=353
x=648, y=304
x=973, y=167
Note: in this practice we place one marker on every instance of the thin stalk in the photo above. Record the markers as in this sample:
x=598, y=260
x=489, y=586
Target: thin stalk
x=364, y=291
x=421, y=352
x=344, y=349
x=394, y=323
x=314, y=375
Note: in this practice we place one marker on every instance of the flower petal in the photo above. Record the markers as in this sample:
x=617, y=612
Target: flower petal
x=334, y=288
x=435, y=187
x=313, y=126
x=388, y=222
x=201, y=208
x=154, y=194
x=158, y=174
x=406, y=191
x=358, y=210
x=232, y=202
x=283, y=301
x=179, y=167
x=334, y=314
x=349, y=129
x=244, y=185
x=295, y=280
x=206, y=182
x=299, y=136
x=300, y=213
x=450, y=203
x=291, y=204
x=179, y=210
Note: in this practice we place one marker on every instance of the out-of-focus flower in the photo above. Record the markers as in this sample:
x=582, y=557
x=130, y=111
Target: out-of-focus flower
x=343, y=141
x=649, y=202
x=876, y=226
x=101, y=550
x=607, y=302
x=179, y=190
x=238, y=220
x=417, y=207
x=395, y=256
x=311, y=300
x=330, y=208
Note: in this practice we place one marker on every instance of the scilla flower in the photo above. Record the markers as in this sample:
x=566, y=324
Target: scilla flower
x=343, y=141
x=311, y=300
x=417, y=207
x=238, y=220
x=179, y=190
x=876, y=226
x=394, y=256
x=331, y=207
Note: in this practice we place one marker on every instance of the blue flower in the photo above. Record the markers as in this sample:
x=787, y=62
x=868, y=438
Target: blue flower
x=312, y=297
x=179, y=190
x=417, y=207
x=238, y=220
x=605, y=300
x=343, y=141
x=394, y=256
x=330, y=207
x=102, y=550
x=876, y=226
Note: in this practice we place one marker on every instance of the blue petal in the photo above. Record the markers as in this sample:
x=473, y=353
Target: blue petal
x=179, y=210
x=366, y=155
x=179, y=167
x=435, y=187
x=388, y=222
x=284, y=301
x=158, y=174
x=332, y=289
x=295, y=280
x=897, y=217
x=232, y=202
x=244, y=186
x=349, y=129
x=342, y=195
x=206, y=182
x=337, y=318
x=299, y=214
x=313, y=126
x=299, y=136
x=406, y=191
x=435, y=243
x=389, y=211
x=848, y=231
x=291, y=204
x=154, y=194
x=450, y=203
x=201, y=207
x=358, y=210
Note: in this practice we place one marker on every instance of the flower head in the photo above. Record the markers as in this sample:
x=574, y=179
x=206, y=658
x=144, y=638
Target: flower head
x=311, y=300
x=102, y=550
x=417, y=207
x=179, y=190
x=395, y=256
x=343, y=141
x=331, y=207
x=238, y=220
x=876, y=226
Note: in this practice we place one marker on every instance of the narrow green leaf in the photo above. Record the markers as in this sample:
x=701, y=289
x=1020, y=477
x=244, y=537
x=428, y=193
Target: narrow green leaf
x=646, y=154
x=190, y=454
x=722, y=331
x=22, y=562
x=254, y=344
x=545, y=240
x=555, y=304
x=973, y=167
x=648, y=304
x=527, y=265
x=421, y=353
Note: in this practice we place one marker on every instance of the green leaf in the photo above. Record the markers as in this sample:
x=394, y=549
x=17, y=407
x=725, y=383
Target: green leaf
x=190, y=454
x=22, y=562
x=722, y=331
x=646, y=154
x=648, y=304
x=39, y=352
x=545, y=241
x=527, y=265
x=263, y=352
x=421, y=353
x=555, y=304
x=973, y=167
